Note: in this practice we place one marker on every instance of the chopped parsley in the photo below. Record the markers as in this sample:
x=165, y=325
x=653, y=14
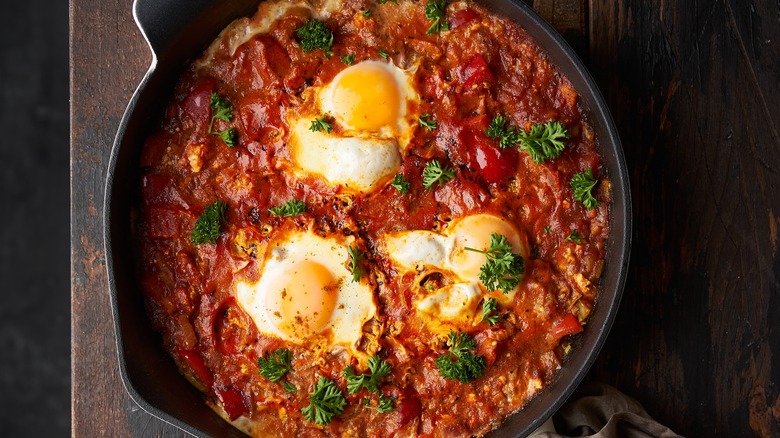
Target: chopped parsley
x=222, y=109
x=461, y=363
x=489, y=306
x=366, y=13
x=377, y=368
x=435, y=12
x=289, y=388
x=321, y=124
x=326, y=402
x=401, y=183
x=293, y=207
x=427, y=121
x=355, y=257
x=206, y=228
x=434, y=173
x=347, y=59
x=503, y=268
x=582, y=184
x=383, y=54
x=381, y=2
x=313, y=35
x=384, y=406
x=543, y=142
x=547, y=229
x=575, y=237
x=276, y=365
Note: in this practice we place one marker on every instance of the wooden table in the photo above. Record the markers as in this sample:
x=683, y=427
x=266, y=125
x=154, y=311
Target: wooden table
x=694, y=88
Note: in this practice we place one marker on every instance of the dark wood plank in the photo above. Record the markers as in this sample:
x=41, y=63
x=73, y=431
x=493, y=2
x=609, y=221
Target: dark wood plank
x=108, y=58
x=694, y=89
x=570, y=19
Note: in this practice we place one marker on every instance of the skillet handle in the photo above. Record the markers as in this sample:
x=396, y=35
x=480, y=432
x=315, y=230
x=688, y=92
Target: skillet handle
x=162, y=20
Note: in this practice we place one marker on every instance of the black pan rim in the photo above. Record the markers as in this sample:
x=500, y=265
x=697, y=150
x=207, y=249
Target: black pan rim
x=576, y=364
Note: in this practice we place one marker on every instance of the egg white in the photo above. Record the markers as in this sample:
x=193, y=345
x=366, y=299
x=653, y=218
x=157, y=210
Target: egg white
x=355, y=302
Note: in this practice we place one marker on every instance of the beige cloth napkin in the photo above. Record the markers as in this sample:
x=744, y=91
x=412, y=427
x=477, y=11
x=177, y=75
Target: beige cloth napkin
x=601, y=411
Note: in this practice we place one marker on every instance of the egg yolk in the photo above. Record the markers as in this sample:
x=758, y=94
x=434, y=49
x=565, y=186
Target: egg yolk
x=474, y=232
x=301, y=300
x=366, y=97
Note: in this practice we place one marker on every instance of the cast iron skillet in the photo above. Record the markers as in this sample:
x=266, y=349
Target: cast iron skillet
x=177, y=31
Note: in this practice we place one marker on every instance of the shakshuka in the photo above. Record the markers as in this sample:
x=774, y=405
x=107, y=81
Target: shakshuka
x=371, y=218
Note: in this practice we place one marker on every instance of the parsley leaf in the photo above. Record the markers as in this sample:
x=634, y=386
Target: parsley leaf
x=582, y=184
x=293, y=207
x=321, y=124
x=435, y=172
x=348, y=59
x=326, y=402
x=547, y=229
x=544, y=141
x=503, y=268
x=206, y=228
x=385, y=404
x=575, y=237
x=435, y=12
x=383, y=54
x=381, y=2
x=367, y=13
x=377, y=368
x=355, y=257
x=427, y=121
x=489, y=306
x=313, y=35
x=401, y=183
x=222, y=109
x=289, y=388
x=276, y=365
x=461, y=363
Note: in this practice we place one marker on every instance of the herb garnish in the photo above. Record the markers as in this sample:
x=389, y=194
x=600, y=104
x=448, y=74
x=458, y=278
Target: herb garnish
x=326, y=402
x=489, y=306
x=222, y=109
x=276, y=365
x=381, y=2
x=461, y=363
x=367, y=13
x=427, y=121
x=377, y=368
x=348, y=59
x=582, y=184
x=384, y=406
x=206, y=228
x=355, y=257
x=401, y=183
x=434, y=172
x=547, y=229
x=435, y=12
x=321, y=124
x=503, y=268
x=543, y=142
x=289, y=388
x=293, y=207
x=383, y=54
x=313, y=35
x=575, y=237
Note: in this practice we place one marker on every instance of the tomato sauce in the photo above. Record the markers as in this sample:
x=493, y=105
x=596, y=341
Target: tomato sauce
x=483, y=66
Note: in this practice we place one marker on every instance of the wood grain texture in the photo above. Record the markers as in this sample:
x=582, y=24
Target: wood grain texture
x=693, y=87
x=108, y=58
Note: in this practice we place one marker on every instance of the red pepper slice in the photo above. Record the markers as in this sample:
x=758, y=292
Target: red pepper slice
x=194, y=361
x=232, y=401
x=476, y=72
x=569, y=325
